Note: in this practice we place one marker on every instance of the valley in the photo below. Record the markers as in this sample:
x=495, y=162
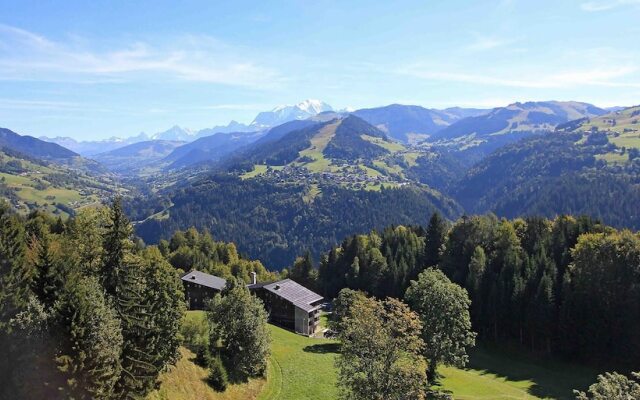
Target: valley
x=301, y=171
x=31, y=184
x=329, y=200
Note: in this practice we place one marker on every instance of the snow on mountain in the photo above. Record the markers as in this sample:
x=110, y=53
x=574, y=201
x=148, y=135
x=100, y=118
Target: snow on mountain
x=286, y=113
x=92, y=147
x=232, y=127
x=176, y=133
x=264, y=120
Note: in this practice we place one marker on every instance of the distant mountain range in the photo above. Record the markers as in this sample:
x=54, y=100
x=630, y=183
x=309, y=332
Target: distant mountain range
x=477, y=136
x=34, y=147
x=587, y=166
x=411, y=124
x=263, y=121
x=35, y=174
x=533, y=158
x=93, y=147
x=134, y=158
x=46, y=151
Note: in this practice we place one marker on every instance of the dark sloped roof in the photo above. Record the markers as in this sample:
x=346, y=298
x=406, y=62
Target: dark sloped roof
x=203, y=279
x=295, y=293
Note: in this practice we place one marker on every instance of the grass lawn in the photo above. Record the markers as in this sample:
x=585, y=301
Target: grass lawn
x=302, y=368
x=186, y=381
x=498, y=374
x=395, y=169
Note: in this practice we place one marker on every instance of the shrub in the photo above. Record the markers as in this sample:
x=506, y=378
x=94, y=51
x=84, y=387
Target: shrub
x=218, y=377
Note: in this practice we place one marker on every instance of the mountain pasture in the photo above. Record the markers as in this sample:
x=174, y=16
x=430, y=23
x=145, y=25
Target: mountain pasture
x=302, y=368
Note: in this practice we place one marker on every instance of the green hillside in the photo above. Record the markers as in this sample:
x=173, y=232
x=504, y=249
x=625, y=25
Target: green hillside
x=31, y=184
x=303, y=368
x=622, y=129
x=581, y=172
x=472, y=139
x=348, y=152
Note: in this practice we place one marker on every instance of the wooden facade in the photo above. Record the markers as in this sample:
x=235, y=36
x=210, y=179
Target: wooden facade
x=288, y=303
x=200, y=287
x=291, y=305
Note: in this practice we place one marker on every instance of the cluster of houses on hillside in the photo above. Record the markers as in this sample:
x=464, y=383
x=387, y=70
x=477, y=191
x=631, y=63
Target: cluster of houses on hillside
x=288, y=303
x=350, y=176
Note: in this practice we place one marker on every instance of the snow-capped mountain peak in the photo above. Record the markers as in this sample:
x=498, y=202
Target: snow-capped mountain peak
x=175, y=133
x=285, y=113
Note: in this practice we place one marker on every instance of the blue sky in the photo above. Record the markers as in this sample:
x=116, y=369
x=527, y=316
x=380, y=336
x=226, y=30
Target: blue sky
x=115, y=68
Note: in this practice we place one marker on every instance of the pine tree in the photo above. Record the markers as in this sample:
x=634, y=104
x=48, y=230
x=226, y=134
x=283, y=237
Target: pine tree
x=139, y=371
x=436, y=233
x=475, y=283
x=50, y=277
x=116, y=244
x=303, y=271
x=164, y=296
x=92, y=344
x=545, y=309
x=15, y=274
x=218, y=377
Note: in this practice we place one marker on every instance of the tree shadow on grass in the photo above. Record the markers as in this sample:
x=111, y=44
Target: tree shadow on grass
x=551, y=378
x=322, y=348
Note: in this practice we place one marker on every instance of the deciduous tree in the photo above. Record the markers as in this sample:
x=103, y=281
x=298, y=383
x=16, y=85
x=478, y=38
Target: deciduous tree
x=443, y=308
x=380, y=352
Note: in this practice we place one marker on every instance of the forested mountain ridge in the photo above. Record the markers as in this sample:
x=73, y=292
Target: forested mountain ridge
x=583, y=168
x=134, y=158
x=31, y=183
x=34, y=147
x=622, y=127
x=471, y=139
x=410, y=124
x=528, y=117
x=38, y=175
x=208, y=148
x=276, y=220
x=342, y=150
x=47, y=151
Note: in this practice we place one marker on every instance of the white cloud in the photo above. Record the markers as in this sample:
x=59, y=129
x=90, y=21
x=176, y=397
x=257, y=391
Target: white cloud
x=19, y=104
x=27, y=56
x=605, y=5
x=597, y=76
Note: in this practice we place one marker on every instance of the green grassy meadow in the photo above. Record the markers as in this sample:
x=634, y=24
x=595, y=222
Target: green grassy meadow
x=302, y=368
x=393, y=147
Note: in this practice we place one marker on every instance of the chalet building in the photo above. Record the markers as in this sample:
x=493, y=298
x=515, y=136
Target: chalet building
x=288, y=303
x=199, y=287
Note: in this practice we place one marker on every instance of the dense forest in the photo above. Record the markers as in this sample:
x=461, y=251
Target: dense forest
x=564, y=286
x=87, y=311
x=561, y=173
x=277, y=222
